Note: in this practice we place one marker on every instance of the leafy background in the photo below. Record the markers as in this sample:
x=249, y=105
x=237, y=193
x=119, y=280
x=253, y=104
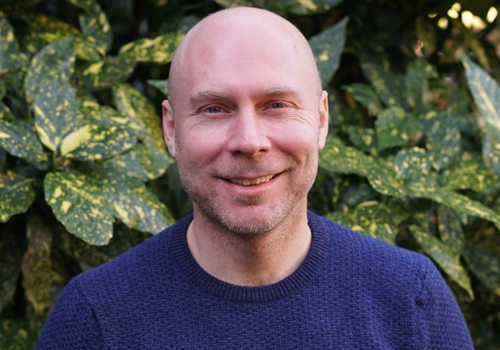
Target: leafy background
x=413, y=156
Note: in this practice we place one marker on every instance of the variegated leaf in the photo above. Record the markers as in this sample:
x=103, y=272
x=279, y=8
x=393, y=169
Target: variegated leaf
x=450, y=229
x=48, y=88
x=372, y=218
x=327, y=47
x=445, y=257
x=16, y=334
x=365, y=94
x=139, y=111
x=138, y=207
x=363, y=138
x=156, y=50
x=92, y=142
x=485, y=266
x=310, y=7
x=412, y=164
x=38, y=275
x=11, y=254
x=161, y=85
x=442, y=139
x=18, y=137
x=470, y=173
x=417, y=76
x=16, y=195
x=108, y=72
x=95, y=26
x=486, y=93
x=10, y=57
x=6, y=113
x=395, y=127
x=81, y=203
x=388, y=85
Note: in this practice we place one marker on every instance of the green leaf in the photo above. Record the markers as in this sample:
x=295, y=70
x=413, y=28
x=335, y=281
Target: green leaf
x=426, y=32
x=445, y=257
x=365, y=94
x=11, y=253
x=372, y=218
x=363, y=138
x=470, y=173
x=5, y=112
x=16, y=334
x=327, y=47
x=16, y=195
x=38, y=275
x=310, y=7
x=18, y=137
x=95, y=142
x=442, y=139
x=418, y=72
x=486, y=93
x=108, y=72
x=10, y=57
x=388, y=85
x=3, y=90
x=95, y=26
x=161, y=85
x=234, y=3
x=412, y=164
x=394, y=127
x=157, y=50
x=48, y=88
x=450, y=229
x=81, y=203
x=485, y=266
x=138, y=207
x=144, y=122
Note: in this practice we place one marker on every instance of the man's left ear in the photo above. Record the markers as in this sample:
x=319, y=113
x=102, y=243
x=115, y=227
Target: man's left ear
x=169, y=127
x=324, y=119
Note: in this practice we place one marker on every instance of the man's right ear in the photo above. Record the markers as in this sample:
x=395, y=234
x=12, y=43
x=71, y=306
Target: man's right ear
x=168, y=126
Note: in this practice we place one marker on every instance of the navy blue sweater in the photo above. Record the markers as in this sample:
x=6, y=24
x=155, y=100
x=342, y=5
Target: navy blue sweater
x=351, y=292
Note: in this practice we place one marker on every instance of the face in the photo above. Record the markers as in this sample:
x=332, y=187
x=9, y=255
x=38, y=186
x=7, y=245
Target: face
x=245, y=128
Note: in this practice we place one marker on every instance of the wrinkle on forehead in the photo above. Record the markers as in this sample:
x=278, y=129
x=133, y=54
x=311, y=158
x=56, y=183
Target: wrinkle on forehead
x=229, y=33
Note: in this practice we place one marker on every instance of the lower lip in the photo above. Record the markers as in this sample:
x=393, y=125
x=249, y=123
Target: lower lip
x=251, y=190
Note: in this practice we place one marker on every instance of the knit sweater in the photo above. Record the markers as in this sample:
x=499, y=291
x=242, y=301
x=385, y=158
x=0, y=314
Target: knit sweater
x=350, y=292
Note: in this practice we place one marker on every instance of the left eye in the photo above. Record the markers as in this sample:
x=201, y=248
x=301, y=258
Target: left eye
x=278, y=105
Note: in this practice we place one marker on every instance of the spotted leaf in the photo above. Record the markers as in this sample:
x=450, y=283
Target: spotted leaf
x=372, y=218
x=11, y=253
x=442, y=139
x=310, y=7
x=365, y=94
x=10, y=57
x=388, y=85
x=234, y=3
x=445, y=257
x=95, y=142
x=48, y=88
x=157, y=50
x=18, y=137
x=81, y=203
x=363, y=138
x=108, y=72
x=486, y=93
x=161, y=85
x=395, y=127
x=485, y=266
x=327, y=47
x=144, y=122
x=450, y=229
x=412, y=164
x=17, y=334
x=95, y=26
x=138, y=207
x=417, y=76
x=16, y=195
x=38, y=276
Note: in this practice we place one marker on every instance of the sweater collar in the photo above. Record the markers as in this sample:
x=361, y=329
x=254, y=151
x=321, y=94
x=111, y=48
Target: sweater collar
x=298, y=279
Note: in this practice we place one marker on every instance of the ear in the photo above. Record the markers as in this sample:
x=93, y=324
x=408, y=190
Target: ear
x=168, y=126
x=324, y=119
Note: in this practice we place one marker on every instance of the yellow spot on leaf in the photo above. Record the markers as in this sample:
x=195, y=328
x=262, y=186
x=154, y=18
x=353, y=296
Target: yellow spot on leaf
x=65, y=206
x=75, y=139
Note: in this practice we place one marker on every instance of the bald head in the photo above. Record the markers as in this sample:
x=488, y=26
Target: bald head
x=241, y=36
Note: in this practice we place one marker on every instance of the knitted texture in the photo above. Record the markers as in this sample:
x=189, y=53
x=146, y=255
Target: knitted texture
x=351, y=292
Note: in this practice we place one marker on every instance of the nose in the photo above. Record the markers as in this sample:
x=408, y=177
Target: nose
x=248, y=134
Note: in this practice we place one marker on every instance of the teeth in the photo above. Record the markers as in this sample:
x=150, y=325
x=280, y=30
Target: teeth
x=247, y=182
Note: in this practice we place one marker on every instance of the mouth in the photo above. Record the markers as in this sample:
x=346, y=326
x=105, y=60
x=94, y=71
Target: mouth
x=251, y=182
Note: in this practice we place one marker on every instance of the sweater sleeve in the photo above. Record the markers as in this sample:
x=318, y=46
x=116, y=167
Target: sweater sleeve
x=439, y=319
x=71, y=324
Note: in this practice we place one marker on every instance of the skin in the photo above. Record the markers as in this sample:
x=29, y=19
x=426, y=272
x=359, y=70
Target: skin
x=245, y=103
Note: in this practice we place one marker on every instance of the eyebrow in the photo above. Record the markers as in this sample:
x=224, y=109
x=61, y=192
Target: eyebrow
x=212, y=95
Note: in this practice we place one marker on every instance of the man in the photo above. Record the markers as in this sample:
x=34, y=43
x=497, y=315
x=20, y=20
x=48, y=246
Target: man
x=252, y=268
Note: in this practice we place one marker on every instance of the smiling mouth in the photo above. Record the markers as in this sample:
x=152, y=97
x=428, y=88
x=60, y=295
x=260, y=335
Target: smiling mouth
x=251, y=182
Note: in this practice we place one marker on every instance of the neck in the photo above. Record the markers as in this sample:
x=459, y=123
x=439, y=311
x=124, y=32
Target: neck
x=250, y=260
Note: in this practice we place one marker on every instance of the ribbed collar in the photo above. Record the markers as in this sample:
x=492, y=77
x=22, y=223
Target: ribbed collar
x=299, y=278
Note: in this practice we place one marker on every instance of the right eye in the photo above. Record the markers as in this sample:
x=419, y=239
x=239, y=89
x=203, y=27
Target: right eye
x=213, y=109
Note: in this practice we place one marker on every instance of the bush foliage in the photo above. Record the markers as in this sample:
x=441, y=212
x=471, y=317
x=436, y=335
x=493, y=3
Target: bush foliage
x=413, y=155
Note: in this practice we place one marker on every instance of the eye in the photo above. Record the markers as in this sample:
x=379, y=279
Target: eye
x=278, y=105
x=213, y=109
